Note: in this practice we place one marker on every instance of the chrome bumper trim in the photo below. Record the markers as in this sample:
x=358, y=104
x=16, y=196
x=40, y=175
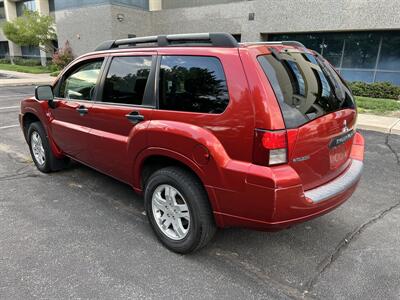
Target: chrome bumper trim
x=338, y=185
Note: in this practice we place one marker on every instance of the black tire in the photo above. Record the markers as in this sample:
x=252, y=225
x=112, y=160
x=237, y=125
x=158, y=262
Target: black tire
x=51, y=163
x=202, y=226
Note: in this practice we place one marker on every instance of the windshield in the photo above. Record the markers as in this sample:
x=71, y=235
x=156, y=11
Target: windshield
x=305, y=85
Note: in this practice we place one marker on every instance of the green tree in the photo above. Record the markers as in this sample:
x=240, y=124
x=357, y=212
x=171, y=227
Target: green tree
x=31, y=29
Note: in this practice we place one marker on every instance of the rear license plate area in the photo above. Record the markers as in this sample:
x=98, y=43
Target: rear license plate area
x=339, y=149
x=338, y=156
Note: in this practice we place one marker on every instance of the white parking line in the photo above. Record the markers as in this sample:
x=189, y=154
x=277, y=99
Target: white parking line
x=21, y=96
x=9, y=126
x=2, y=100
x=9, y=107
x=12, y=97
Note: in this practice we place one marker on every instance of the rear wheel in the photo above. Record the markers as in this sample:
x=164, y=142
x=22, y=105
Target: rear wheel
x=178, y=210
x=41, y=153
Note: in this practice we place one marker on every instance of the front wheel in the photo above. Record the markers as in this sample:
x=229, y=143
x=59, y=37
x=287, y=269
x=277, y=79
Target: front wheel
x=40, y=150
x=178, y=209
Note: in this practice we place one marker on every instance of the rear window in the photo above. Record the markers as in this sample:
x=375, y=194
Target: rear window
x=305, y=85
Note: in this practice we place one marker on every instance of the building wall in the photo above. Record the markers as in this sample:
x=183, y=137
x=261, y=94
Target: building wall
x=84, y=27
x=11, y=14
x=334, y=27
x=135, y=22
x=2, y=37
x=278, y=16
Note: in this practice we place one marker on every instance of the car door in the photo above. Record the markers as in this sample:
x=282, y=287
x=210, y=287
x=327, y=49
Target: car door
x=72, y=105
x=125, y=100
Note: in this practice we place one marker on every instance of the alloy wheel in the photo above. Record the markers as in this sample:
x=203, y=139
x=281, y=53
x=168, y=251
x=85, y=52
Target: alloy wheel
x=170, y=212
x=37, y=148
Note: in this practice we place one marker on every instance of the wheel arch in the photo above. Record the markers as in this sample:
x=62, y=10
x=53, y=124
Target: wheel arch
x=30, y=117
x=153, y=159
x=27, y=120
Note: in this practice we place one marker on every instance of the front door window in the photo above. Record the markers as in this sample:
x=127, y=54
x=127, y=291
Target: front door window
x=80, y=84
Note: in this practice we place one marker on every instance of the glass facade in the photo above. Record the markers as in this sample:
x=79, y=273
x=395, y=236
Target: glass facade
x=30, y=51
x=4, y=51
x=52, y=7
x=62, y=4
x=2, y=11
x=166, y=4
x=27, y=4
x=358, y=56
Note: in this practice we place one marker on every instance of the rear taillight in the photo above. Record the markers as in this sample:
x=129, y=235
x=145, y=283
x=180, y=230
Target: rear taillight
x=270, y=147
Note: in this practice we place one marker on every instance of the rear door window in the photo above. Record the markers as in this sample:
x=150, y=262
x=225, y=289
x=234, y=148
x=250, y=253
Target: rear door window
x=305, y=85
x=126, y=79
x=193, y=84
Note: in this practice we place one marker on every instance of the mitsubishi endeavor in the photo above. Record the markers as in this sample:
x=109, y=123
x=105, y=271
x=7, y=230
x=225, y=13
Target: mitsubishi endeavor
x=212, y=132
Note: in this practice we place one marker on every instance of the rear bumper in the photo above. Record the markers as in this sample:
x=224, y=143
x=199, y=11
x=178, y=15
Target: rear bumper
x=266, y=208
x=338, y=185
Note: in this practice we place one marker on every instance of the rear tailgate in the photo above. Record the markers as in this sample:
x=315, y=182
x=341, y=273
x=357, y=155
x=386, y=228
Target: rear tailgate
x=317, y=107
x=322, y=148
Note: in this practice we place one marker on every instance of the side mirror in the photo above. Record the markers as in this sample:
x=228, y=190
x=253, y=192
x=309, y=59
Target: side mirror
x=44, y=92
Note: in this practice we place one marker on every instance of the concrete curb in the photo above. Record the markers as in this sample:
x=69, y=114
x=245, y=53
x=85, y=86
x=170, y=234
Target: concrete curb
x=379, y=123
x=24, y=83
x=19, y=78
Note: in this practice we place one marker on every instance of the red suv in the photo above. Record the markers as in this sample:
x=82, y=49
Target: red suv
x=214, y=133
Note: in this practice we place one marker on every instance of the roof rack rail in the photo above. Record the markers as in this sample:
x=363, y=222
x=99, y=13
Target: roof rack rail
x=288, y=43
x=216, y=39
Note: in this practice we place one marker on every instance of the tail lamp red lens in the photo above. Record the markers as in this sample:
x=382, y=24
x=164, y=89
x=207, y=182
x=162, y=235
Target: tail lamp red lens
x=274, y=139
x=270, y=147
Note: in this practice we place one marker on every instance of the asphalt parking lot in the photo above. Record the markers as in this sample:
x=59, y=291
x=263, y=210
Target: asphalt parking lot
x=80, y=234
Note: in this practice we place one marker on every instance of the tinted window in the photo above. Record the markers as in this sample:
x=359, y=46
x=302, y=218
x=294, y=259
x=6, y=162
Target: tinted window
x=333, y=48
x=27, y=4
x=80, y=84
x=30, y=51
x=3, y=49
x=126, y=80
x=393, y=77
x=361, y=50
x=192, y=83
x=390, y=52
x=312, y=41
x=305, y=86
x=357, y=75
x=354, y=54
x=2, y=11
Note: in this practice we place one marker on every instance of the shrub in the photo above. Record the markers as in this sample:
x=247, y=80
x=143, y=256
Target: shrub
x=5, y=61
x=29, y=62
x=55, y=73
x=375, y=90
x=53, y=68
x=63, y=56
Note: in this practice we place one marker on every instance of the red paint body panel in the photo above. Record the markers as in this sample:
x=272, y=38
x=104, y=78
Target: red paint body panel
x=312, y=139
x=116, y=140
x=216, y=147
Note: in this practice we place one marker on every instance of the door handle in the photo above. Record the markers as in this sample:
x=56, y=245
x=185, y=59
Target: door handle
x=82, y=110
x=135, y=117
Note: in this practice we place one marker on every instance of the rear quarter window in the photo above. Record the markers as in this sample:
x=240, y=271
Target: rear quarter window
x=192, y=84
x=305, y=86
